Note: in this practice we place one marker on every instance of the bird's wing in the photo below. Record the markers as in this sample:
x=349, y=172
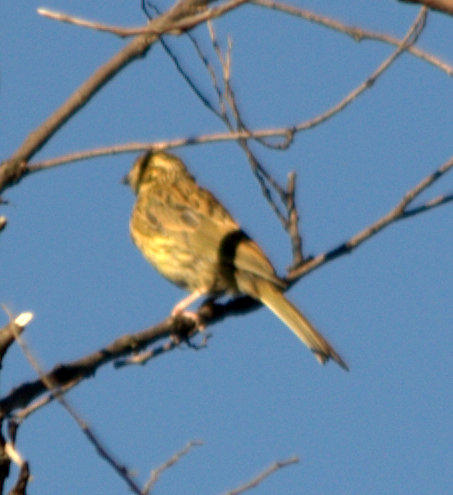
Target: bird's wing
x=200, y=220
x=251, y=258
x=193, y=217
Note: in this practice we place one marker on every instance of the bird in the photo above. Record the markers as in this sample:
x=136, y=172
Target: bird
x=186, y=233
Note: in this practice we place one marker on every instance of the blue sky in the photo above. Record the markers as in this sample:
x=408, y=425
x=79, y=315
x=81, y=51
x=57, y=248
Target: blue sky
x=255, y=395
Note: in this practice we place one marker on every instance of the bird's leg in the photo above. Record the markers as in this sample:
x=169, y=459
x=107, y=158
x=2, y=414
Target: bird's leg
x=187, y=301
x=180, y=308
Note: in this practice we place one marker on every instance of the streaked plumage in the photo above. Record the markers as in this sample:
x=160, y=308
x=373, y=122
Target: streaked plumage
x=192, y=240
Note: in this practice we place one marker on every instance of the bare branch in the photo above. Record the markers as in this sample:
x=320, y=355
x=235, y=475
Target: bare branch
x=141, y=358
x=24, y=472
x=276, y=466
x=399, y=212
x=119, y=468
x=77, y=21
x=358, y=34
x=14, y=327
x=157, y=146
x=293, y=221
x=22, y=481
x=265, y=180
x=156, y=473
x=432, y=203
x=189, y=80
x=66, y=376
x=184, y=74
x=242, y=133
x=54, y=390
x=184, y=15
x=411, y=37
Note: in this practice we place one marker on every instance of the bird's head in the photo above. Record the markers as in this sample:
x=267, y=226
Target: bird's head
x=155, y=167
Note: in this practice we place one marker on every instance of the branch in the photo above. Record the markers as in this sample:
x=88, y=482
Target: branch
x=24, y=472
x=240, y=134
x=218, y=137
x=276, y=466
x=399, y=212
x=66, y=376
x=22, y=481
x=156, y=473
x=119, y=468
x=8, y=332
x=179, y=66
x=409, y=39
x=182, y=16
x=358, y=34
x=77, y=21
x=293, y=222
x=54, y=390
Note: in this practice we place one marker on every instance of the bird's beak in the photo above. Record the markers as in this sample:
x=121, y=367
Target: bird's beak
x=125, y=180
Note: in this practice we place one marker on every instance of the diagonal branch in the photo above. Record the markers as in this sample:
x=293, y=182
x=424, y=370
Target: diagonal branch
x=399, y=212
x=156, y=473
x=241, y=133
x=358, y=34
x=182, y=16
x=77, y=21
x=409, y=39
x=276, y=466
x=55, y=392
x=67, y=375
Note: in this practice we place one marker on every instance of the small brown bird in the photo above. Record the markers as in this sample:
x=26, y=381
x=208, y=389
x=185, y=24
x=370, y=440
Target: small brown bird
x=192, y=240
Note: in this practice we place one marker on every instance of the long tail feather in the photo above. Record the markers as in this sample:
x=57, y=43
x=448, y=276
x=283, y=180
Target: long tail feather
x=275, y=300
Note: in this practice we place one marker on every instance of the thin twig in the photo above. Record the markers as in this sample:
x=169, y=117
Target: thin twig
x=432, y=203
x=399, y=212
x=53, y=388
x=20, y=488
x=14, y=327
x=184, y=15
x=156, y=473
x=265, y=180
x=358, y=34
x=184, y=74
x=276, y=466
x=78, y=21
x=409, y=39
x=293, y=222
x=116, y=149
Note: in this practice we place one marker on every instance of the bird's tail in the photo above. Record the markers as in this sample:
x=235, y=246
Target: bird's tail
x=275, y=300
